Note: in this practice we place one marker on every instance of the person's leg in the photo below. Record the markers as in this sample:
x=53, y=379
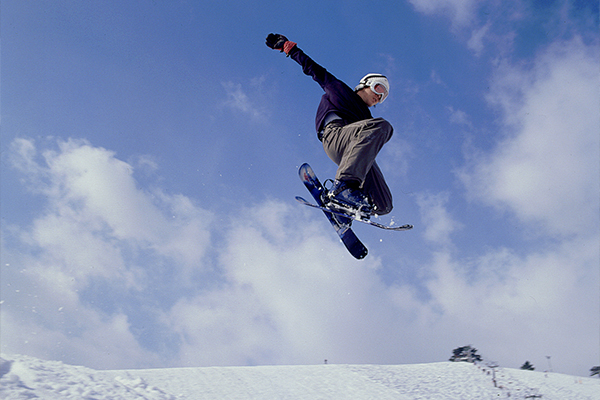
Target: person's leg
x=354, y=147
x=379, y=192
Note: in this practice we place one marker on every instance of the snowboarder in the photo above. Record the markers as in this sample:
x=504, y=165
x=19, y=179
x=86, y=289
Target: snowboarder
x=351, y=137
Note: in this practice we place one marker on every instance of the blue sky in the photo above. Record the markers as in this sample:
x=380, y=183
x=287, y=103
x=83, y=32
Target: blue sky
x=149, y=167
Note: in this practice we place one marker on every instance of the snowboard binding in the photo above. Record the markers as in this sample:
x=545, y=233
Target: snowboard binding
x=345, y=199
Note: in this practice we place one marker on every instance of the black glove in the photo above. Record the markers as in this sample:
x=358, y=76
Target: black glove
x=276, y=41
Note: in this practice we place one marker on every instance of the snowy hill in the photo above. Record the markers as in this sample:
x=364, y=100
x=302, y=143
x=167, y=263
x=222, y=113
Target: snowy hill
x=24, y=377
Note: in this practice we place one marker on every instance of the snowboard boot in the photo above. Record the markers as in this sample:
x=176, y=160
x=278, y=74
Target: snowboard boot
x=347, y=197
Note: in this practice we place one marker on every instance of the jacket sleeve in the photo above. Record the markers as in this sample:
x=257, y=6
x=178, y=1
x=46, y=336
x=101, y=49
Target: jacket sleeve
x=311, y=68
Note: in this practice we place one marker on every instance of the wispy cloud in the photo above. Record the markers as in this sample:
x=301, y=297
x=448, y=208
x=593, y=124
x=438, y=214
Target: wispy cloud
x=439, y=224
x=460, y=12
x=476, y=42
x=239, y=101
x=459, y=117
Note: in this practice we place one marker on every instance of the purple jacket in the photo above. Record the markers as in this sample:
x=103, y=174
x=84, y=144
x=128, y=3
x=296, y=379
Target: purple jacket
x=338, y=97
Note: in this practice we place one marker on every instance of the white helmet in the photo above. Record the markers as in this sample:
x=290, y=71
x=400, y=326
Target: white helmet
x=377, y=82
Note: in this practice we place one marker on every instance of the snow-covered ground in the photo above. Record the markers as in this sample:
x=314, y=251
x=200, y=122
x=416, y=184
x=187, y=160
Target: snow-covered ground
x=24, y=377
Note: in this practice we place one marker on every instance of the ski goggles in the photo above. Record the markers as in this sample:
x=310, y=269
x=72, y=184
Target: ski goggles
x=380, y=89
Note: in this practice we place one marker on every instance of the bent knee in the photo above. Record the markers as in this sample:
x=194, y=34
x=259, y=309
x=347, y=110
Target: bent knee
x=383, y=123
x=384, y=127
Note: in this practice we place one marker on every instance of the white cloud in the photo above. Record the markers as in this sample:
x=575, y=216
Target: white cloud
x=475, y=43
x=238, y=100
x=395, y=160
x=97, y=228
x=93, y=194
x=547, y=299
x=435, y=78
x=459, y=117
x=101, y=341
x=461, y=12
x=293, y=295
x=545, y=170
x=286, y=290
x=439, y=224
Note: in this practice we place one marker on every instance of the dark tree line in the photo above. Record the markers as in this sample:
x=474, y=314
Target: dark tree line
x=469, y=354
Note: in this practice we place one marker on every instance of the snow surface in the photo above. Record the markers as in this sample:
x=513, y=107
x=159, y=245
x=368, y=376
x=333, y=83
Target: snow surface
x=23, y=377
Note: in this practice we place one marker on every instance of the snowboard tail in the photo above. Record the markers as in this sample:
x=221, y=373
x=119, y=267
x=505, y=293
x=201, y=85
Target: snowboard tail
x=344, y=231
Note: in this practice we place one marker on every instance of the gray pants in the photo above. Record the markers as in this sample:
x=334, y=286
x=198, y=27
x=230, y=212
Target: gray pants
x=353, y=148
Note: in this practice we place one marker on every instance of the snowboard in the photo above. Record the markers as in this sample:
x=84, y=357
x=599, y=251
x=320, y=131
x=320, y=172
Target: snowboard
x=346, y=234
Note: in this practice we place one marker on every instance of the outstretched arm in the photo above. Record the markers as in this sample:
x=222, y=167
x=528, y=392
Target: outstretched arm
x=338, y=97
x=309, y=67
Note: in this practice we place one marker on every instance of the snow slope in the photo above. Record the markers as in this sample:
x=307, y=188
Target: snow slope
x=24, y=377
